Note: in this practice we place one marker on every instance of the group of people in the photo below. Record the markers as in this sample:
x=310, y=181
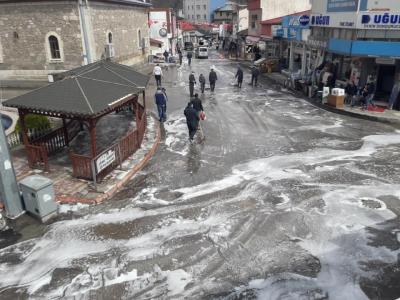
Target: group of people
x=212, y=78
x=255, y=72
x=364, y=95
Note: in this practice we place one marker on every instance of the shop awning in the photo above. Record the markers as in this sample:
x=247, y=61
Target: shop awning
x=154, y=42
x=252, y=39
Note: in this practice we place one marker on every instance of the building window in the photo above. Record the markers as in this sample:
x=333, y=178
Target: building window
x=198, y=7
x=54, y=47
x=110, y=38
x=220, y=13
x=205, y=17
x=205, y=7
x=192, y=17
x=198, y=17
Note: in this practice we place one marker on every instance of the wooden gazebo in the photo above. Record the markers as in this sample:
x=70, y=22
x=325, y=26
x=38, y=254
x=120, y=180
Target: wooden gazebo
x=80, y=98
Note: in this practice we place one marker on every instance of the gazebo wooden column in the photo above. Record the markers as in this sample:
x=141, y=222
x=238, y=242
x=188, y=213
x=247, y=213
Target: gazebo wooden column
x=65, y=129
x=92, y=131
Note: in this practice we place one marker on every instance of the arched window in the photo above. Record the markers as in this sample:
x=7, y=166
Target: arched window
x=139, y=36
x=54, y=47
x=110, y=38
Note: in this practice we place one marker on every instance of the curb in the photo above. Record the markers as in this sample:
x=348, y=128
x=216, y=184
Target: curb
x=120, y=184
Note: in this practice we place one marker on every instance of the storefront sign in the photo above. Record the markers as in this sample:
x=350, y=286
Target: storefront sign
x=379, y=5
x=385, y=61
x=105, y=160
x=304, y=20
x=277, y=30
x=387, y=21
x=336, y=20
x=342, y=5
x=320, y=20
x=317, y=43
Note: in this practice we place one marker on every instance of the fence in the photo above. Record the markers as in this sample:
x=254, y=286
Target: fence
x=103, y=164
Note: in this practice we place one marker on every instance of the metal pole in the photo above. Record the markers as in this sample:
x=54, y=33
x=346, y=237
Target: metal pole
x=9, y=192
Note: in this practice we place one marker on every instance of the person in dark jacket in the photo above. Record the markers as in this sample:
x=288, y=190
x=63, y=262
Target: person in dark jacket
x=196, y=103
x=351, y=92
x=189, y=56
x=166, y=54
x=161, y=102
x=239, y=76
x=212, y=78
x=192, y=82
x=202, y=81
x=255, y=72
x=192, y=120
x=180, y=57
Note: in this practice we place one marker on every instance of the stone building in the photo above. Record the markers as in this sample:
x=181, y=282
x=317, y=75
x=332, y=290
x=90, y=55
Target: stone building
x=39, y=37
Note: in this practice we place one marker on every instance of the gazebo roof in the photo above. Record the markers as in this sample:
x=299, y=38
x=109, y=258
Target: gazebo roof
x=85, y=91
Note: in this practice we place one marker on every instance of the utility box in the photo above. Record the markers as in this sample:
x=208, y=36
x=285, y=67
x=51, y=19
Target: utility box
x=39, y=199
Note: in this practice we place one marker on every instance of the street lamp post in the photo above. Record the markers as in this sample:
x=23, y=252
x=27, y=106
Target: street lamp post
x=9, y=192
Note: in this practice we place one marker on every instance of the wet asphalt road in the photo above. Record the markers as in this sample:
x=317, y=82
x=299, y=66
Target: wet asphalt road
x=281, y=201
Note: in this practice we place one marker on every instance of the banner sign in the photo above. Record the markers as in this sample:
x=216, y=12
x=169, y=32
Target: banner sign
x=342, y=5
x=105, y=160
x=386, y=21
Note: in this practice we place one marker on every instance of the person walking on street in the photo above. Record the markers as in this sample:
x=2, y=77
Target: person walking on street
x=198, y=106
x=255, y=72
x=161, y=102
x=180, y=57
x=202, y=81
x=157, y=74
x=166, y=54
x=212, y=78
x=239, y=76
x=192, y=120
x=192, y=82
x=196, y=103
x=189, y=56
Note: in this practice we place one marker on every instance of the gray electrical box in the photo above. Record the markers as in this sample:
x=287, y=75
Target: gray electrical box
x=38, y=194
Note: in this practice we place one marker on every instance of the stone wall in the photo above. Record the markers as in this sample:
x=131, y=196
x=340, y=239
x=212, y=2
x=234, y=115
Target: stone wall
x=23, y=31
x=123, y=22
x=25, y=27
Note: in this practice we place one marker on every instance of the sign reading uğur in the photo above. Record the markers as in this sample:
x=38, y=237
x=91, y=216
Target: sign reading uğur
x=386, y=21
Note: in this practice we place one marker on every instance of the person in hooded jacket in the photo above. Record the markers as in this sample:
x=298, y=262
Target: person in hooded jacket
x=212, y=78
x=255, y=72
x=192, y=120
x=189, y=56
x=192, y=82
x=196, y=103
x=161, y=102
x=202, y=81
x=239, y=76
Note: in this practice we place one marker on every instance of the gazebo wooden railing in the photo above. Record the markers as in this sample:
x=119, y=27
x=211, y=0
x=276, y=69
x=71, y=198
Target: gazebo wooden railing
x=85, y=166
x=37, y=156
x=57, y=139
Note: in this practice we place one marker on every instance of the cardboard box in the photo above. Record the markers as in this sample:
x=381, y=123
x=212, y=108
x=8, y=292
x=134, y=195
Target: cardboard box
x=336, y=101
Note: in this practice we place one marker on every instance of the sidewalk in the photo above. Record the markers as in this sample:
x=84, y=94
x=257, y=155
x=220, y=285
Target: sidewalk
x=388, y=116
x=72, y=190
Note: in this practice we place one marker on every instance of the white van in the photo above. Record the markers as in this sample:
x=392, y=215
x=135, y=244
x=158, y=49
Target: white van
x=201, y=52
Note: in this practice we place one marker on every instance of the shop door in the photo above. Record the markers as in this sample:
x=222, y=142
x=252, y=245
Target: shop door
x=385, y=80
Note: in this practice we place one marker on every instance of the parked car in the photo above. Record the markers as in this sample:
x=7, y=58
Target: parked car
x=201, y=52
x=188, y=46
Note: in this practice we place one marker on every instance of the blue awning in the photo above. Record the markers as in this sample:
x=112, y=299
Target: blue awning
x=365, y=48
